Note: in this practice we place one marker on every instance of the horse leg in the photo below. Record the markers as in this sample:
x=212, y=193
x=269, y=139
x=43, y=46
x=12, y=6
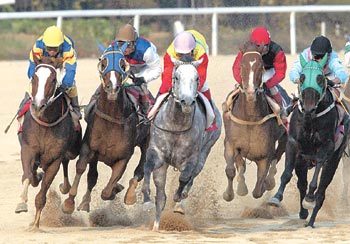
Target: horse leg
x=309, y=202
x=301, y=172
x=40, y=199
x=187, y=175
x=287, y=173
x=113, y=187
x=327, y=175
x=151, y=159
x=91, y=182
x=69, y=204
x=346, y=180
x=27, y=178
x=230, y=171
x=263, y=167
x=270, y=179
x=159, y=178
x=130, y=195
x=65, y=186
x=242, y=189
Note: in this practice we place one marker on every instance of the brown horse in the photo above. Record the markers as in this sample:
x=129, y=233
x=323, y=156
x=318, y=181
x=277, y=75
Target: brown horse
x=48, y=136
x=252, y=130
x=111, y=135
x=346, y=156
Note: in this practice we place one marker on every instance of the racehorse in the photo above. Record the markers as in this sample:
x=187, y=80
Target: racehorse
x=252, y=130
x=111, y=134
x=178, y=138
x=314, y=140
x=49, y=136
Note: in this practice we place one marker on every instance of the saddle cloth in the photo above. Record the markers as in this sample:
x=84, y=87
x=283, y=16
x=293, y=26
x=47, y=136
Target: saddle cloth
x=210, y=115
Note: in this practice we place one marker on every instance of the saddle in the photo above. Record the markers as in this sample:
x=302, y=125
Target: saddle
x=233, y=95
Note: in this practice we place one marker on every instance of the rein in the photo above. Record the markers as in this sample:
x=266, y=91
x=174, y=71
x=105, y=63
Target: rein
x=179, y=131
x=108, y=118
x=40, y=122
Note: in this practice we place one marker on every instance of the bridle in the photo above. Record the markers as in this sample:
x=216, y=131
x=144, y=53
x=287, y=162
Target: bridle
x=258, y=89
x=53, y=97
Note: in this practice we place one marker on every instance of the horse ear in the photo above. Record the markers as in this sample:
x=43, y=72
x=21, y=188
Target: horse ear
x=324, y=60
x=36, y=58
x=175, y=61
x=57, y=62
x=303, y=62
x=102, y=65
x=197, y=63
x=124, y=65
x=124, y=46
x=320, y=80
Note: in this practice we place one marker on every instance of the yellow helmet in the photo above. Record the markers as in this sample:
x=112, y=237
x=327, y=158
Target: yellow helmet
x=126, y=33
x=53, y=36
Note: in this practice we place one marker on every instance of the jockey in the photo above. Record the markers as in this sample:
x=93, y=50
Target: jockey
x=333, y=70
x=144, y=62
x=53, y=43
x=274, y=63
x=188, y=45
x=347, y=53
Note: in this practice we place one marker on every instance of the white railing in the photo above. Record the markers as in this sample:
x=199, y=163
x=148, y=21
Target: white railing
x=137, y=13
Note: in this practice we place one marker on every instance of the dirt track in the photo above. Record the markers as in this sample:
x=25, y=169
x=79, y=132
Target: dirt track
x=209, y=217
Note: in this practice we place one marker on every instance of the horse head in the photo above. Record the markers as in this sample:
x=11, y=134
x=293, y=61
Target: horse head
x=252, y=68
x=112, y=68
x=44, y=82
x=185, y=83
x=312, y=87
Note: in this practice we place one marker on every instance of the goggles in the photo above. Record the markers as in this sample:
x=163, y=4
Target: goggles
x=52, y=49
x=130, y=44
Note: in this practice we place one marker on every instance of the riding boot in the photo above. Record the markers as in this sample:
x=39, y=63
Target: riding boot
x=76, y=115
x=283, y=114
x=213, y=126
x=88, y=108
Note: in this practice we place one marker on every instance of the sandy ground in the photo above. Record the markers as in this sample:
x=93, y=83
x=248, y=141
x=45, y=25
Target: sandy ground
x=209, y=218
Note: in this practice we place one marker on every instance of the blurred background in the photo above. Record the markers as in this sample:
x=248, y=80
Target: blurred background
x=18, y=35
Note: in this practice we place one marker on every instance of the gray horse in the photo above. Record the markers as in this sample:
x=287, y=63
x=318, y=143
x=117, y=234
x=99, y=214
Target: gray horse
x=178, y=138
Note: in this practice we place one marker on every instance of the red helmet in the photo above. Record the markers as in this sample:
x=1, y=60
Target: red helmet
x=260, y=36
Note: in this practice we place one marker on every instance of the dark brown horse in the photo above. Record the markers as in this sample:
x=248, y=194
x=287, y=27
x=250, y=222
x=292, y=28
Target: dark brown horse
x=48, y=136
x=111, y=135
x=252, y=130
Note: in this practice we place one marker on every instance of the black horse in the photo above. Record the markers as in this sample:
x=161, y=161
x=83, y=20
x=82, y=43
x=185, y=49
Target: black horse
x=311, y=143
x=111, y=135
x=49, y=136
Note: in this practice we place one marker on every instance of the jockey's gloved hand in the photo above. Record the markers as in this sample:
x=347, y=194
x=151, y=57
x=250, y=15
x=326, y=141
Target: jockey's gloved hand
x=330, y=83
x=62, y=88
x=138, y=81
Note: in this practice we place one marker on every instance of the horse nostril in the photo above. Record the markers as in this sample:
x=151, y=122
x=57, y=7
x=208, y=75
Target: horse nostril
x=183, y=102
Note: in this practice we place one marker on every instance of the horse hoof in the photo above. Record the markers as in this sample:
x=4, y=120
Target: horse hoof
x=303, y=214
x=64, y=189
x=309, y=205
x=274, y=202
x=242, y=189
x=21, y=207
x=148, y=206
x=84, y=206
x=68, y=206
x=130, y=196
x=228, y=197
x=179, y=209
